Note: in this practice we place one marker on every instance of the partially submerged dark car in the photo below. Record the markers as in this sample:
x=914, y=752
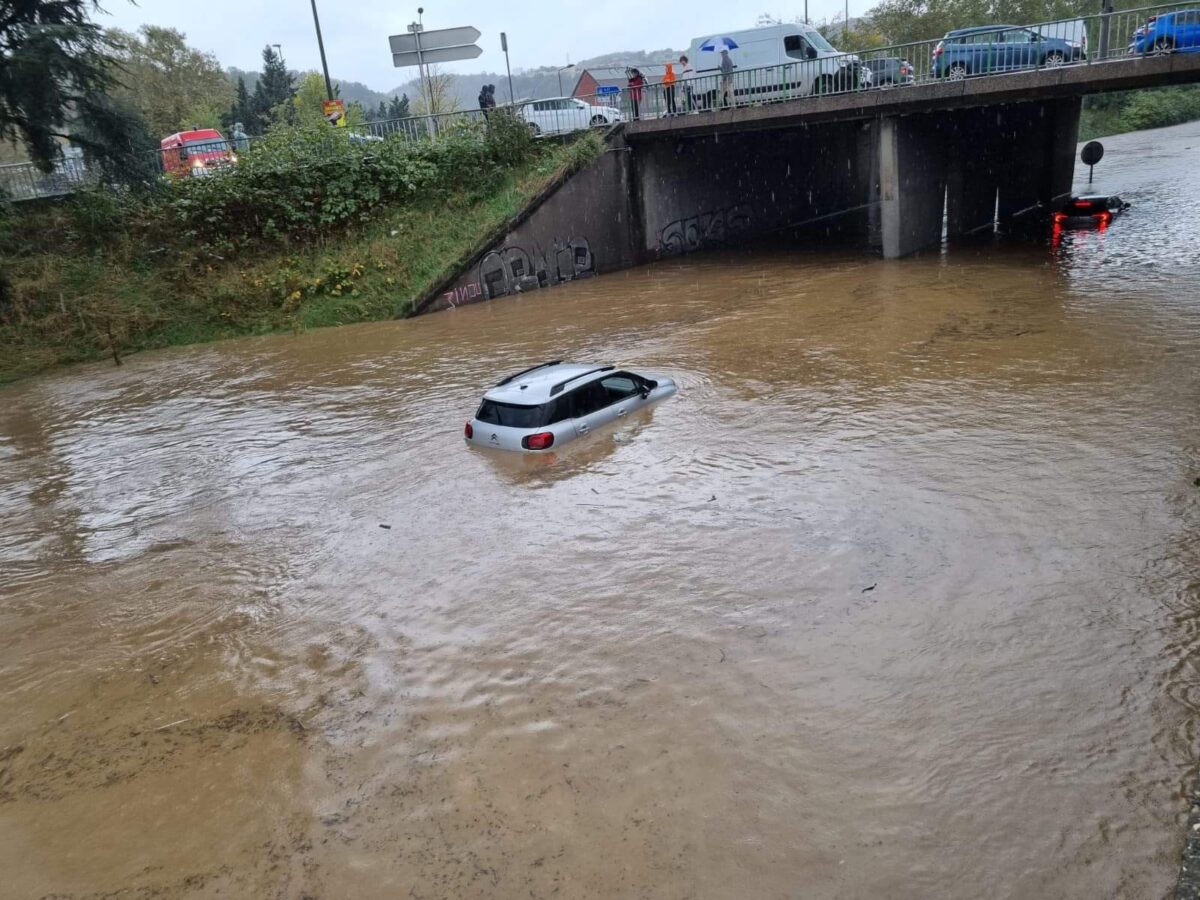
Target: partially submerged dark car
x=1091, y=210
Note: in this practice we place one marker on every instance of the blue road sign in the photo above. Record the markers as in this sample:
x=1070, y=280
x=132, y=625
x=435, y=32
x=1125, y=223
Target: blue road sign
x=608, y=89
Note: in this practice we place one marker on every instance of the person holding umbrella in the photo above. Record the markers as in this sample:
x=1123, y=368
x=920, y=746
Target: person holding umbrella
x=726, y=78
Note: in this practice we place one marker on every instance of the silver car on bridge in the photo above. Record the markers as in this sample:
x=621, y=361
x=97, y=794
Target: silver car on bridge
x=555, y=402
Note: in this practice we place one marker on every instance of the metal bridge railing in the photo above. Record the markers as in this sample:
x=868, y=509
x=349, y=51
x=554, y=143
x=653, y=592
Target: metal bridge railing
x=994, y=50
x=25, y=181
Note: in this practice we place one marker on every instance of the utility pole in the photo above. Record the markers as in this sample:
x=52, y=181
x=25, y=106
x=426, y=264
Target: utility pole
x=508, y=68
x=321, y=47
x=279, y=52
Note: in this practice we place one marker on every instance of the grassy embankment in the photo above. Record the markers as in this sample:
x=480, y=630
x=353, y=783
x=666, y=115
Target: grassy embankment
x=1118, y=113
x=95, y=276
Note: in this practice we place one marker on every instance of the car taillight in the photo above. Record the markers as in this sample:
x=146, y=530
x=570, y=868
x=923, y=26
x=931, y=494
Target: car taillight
x=469, y=432
x=540, y=441
x=1102, y=217
x=1059, y=218
x=1081, y=204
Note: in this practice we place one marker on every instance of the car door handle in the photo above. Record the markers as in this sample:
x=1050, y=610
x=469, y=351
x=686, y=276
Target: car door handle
x=621, y=411
x=583, y=427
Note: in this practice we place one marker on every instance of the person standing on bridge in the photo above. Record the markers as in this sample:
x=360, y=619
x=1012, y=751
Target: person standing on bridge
x=726, y=79
x=686, y=74
x=669, y=88
x=636, y=83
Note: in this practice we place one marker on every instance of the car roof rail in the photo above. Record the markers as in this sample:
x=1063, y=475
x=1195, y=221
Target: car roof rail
x=553, y=362
x=558, y=388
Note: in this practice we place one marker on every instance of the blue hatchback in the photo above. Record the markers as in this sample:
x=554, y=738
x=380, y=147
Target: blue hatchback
x=987, y=49
x=1169, y=32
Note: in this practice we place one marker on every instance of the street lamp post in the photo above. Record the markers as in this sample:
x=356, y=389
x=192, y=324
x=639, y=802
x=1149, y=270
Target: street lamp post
x=321, y=47
x=562, y=69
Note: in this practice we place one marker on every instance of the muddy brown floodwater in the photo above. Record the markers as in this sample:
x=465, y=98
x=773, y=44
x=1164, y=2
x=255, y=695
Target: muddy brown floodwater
x=897, y=598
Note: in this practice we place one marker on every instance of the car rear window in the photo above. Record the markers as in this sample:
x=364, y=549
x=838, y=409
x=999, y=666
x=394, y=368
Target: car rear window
x=510, y=415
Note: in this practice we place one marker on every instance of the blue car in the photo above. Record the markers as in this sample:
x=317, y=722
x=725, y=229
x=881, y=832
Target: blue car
x=988, y=49
x=1169, y=32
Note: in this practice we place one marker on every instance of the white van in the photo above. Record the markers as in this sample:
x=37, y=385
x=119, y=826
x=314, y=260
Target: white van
x=774, y=62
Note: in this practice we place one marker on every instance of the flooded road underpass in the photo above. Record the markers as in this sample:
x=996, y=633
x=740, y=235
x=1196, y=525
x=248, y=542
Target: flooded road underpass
x=897, y=597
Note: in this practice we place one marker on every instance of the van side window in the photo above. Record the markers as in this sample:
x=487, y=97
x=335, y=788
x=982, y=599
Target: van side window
x=795, y=46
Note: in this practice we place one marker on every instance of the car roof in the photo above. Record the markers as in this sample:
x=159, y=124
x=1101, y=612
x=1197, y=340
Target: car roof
x=537, y=385
x=978, y=29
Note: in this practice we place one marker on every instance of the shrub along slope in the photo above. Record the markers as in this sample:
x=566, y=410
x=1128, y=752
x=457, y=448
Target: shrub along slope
x=309, y=229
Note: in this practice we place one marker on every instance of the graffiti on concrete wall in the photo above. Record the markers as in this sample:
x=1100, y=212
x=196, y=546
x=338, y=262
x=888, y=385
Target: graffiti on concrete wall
x=704, y=229
x=515, y=269
x=462, y=294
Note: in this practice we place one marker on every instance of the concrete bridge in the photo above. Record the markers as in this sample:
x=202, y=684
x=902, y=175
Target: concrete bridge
x=889, y=168
x=880, y=162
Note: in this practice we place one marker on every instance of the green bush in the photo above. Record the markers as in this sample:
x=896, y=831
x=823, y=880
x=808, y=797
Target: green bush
x=299, y=184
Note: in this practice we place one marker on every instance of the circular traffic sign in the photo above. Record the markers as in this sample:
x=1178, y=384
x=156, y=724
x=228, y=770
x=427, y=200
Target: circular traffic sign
x=1092, y=153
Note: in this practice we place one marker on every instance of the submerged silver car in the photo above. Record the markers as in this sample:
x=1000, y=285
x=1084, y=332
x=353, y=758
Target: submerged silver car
x=555, y=402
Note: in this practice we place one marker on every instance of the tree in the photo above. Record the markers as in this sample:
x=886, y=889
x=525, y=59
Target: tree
x=172, y=85
x=440, y=97
x=398, y=107
x=381, y=114
x=240, y=111
x=56, y=72
x=273, y=91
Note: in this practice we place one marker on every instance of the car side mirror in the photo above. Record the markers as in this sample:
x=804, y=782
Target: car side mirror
x=812, y=52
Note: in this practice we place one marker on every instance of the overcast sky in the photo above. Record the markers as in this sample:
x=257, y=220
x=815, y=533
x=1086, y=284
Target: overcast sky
x=540, y=33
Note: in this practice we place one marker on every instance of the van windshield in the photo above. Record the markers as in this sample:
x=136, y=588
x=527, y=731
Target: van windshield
x=205, y=144
x=817, y=40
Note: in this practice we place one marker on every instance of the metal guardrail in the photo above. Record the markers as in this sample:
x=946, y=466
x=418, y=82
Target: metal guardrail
x=25, y=181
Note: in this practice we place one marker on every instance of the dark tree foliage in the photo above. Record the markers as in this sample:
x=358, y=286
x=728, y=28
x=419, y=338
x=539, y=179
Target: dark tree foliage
x=241, y=110
x=56, y=71
x=275, y=87
x=398, y=108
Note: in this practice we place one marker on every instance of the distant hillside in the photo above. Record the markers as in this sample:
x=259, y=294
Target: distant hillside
x=347, y=90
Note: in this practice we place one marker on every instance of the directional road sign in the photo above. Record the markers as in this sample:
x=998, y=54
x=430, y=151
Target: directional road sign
x=435, y=40
x=439, y=55
x=608, y=89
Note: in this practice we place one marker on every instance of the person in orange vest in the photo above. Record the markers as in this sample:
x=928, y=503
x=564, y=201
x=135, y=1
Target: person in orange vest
x=669, y=88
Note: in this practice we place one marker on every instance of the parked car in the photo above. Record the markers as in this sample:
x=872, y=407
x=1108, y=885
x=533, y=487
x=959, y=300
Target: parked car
x=199, y=152
x=889, y=70
x=988, y=49
x=1090, y=210
x=560, y=115
x=555, y=402
x=773, y=63
x=1168, y=33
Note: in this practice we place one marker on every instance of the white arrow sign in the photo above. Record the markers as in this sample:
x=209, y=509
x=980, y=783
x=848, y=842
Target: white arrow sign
x=441, y=55
x=436, y=40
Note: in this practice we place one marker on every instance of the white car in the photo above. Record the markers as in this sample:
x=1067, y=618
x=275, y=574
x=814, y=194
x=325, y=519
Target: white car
x=559, y=115
x=555, y=402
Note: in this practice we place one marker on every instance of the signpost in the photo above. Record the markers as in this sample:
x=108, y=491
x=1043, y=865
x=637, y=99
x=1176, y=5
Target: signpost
x=606, y=89
x=1092, y=153
x=421, y=48
x=334, y=112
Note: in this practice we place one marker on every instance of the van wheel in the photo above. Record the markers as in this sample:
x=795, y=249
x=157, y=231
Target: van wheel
x=824, y=85
x=534, y=130
x=598, y=120
x=957, y=72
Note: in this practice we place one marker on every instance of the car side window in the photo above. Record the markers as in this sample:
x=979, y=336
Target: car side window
x=620, y=387
x=795, y=46
x=589, y=399
x=1016, y=37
